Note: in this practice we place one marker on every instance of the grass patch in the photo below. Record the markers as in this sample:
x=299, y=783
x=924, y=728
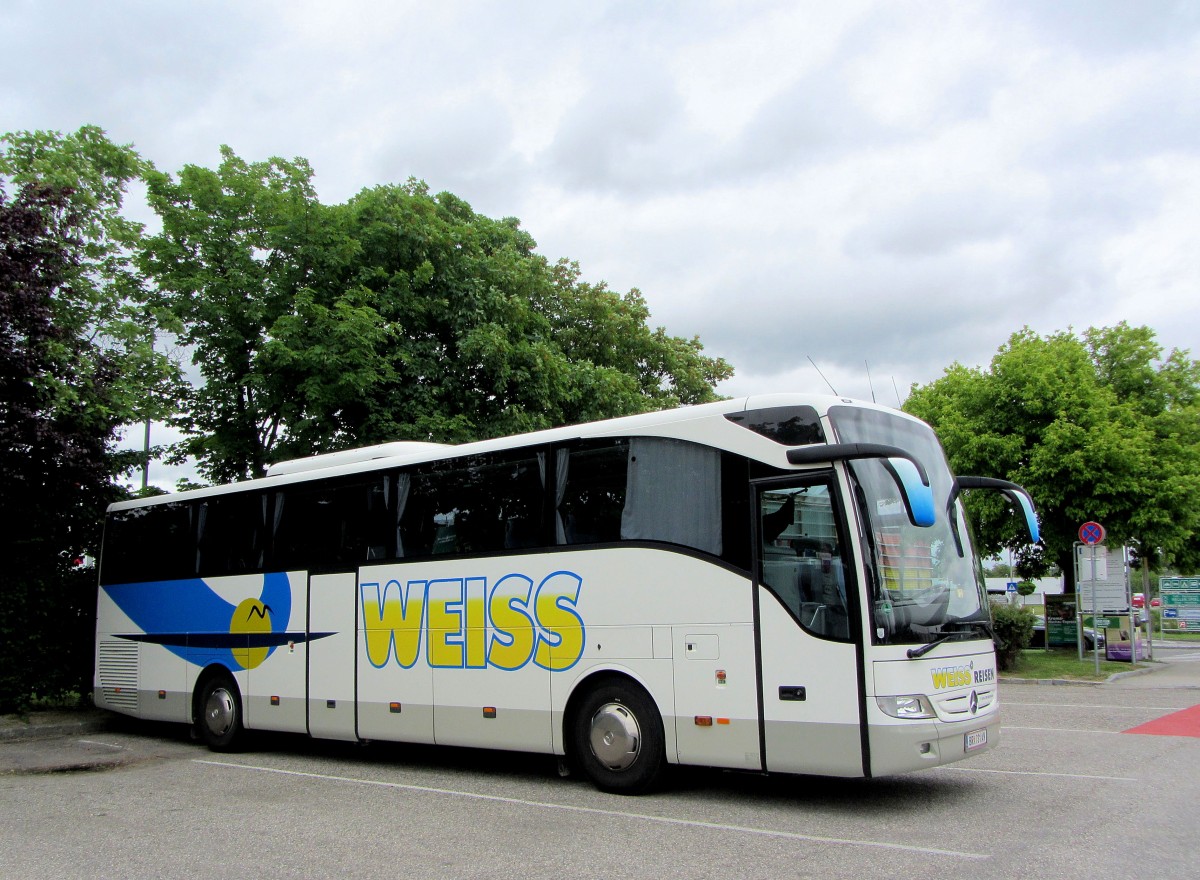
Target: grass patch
x=1064, y=663
x=67, y=700
x=1177, y=635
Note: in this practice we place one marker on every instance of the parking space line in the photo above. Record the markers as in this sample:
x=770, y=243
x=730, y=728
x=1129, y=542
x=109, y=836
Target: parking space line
x=113, y=746
x=1058, y=729
x=1039, y=773
x=1006, y=703
x=620, y=814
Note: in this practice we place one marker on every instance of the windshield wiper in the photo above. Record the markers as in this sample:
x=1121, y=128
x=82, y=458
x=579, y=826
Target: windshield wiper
x=947, y=635
x=914, y=653
x=984, y=626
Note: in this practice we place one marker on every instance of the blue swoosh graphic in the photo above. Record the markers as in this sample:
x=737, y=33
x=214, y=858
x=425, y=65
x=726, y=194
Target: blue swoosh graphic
x=192, y=622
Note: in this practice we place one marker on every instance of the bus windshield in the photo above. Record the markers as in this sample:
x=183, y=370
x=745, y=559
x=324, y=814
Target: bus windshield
x=926, y=583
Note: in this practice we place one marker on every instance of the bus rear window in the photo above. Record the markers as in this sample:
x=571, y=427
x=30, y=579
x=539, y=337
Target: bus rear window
x=150, y=543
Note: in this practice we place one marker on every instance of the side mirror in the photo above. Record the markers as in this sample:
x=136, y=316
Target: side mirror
x=908, y=473
x=1014, y=493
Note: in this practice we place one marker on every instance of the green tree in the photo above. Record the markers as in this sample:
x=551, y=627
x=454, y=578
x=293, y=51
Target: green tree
x=54, y=467
x=489, y=339
x=102, y=297
x=1096, y=428
x=238, y=245
x=621, y=365
x=77, y=363
x=467, y=353
x=1165, y=393
x=1013, y=625
x=397, y=315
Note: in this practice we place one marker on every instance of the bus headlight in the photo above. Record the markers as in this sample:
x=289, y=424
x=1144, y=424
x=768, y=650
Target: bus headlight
x=907, y=706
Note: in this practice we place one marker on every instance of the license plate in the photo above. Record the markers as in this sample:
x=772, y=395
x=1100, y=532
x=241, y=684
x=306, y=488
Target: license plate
x=976, y=739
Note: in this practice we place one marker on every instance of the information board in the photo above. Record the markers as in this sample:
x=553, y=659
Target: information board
x=1110, y=587
x=1180, y=601
x=1062, y=627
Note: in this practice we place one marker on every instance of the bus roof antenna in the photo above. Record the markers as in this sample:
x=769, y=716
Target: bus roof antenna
x=822, y=375
x=870, y=384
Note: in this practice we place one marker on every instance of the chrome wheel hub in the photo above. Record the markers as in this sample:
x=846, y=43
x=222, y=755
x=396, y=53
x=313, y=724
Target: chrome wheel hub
x=219, y=712
x=615, y=737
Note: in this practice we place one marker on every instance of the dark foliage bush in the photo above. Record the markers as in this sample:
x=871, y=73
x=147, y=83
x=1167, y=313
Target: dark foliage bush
x=1013, y=625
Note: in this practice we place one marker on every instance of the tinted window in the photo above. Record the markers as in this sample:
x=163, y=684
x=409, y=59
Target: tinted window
x=644, y=489
x=483, y=504
x=789, y=425
x=230, y=533
x=333, y=525
x=601, y=492
x=591, y=481
x=149, y=544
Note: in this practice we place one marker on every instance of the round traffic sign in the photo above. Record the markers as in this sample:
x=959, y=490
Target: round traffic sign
x=1091, y=533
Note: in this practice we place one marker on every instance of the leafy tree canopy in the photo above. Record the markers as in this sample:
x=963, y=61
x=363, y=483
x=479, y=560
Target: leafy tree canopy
x=397, y=315
x=54, y=471
x=1097, y=427
x=101, y=298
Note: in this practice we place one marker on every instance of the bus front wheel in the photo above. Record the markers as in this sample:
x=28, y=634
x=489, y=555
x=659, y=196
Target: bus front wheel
x=219, y=713
x=617, y=738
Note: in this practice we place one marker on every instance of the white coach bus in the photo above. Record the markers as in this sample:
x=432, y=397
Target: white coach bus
x=782, y=583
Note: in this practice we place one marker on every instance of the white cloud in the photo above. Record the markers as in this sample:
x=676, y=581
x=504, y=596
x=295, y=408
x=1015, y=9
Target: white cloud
x=863, y=182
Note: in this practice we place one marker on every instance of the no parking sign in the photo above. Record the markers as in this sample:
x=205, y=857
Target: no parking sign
x=1091, y=533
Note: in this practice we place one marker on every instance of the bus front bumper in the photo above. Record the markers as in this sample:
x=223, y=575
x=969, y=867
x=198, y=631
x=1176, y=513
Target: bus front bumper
x=900, y=748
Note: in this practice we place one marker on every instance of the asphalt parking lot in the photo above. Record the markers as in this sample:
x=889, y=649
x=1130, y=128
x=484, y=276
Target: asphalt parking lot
x=1088, y=779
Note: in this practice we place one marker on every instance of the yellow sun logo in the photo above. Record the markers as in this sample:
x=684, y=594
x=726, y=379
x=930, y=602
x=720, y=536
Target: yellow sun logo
x=251, y=616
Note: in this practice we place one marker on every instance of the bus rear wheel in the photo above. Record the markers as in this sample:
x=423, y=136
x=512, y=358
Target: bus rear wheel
x=219, y=713
x=617, y=738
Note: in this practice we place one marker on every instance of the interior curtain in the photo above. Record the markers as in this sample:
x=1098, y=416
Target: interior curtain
x=403, y=484
x=673, y=493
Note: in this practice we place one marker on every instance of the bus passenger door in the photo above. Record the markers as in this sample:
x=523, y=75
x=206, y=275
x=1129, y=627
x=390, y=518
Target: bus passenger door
x=807, y=626
x=331, y=627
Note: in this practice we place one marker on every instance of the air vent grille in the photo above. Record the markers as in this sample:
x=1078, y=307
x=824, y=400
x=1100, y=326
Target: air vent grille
x=118, y=668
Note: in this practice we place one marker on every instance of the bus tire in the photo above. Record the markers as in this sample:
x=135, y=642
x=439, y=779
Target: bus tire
x=617, y=738
x=219, y=712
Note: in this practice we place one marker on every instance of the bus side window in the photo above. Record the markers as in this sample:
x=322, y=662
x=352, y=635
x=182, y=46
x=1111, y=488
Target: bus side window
x=482, y=504
x=591, y=492
x=643, y=489
x=801, y=560
x=673, y=494
x=333, y=526
x=150, y=544
x=415, y=525
x=230, y=532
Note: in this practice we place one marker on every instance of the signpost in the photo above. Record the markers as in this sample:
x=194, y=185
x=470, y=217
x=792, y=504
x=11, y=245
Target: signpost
x=1180, y=601
x=1105, y=595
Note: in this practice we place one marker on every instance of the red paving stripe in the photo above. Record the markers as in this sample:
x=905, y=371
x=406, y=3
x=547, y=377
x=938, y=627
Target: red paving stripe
x=1185, y=722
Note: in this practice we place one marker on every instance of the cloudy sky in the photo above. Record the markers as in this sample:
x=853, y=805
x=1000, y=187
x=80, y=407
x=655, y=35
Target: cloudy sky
x=895, y=184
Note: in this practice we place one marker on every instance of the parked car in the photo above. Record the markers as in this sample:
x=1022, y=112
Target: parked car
x=1156, y=602
x=1039, y=635
x=1139, y=600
